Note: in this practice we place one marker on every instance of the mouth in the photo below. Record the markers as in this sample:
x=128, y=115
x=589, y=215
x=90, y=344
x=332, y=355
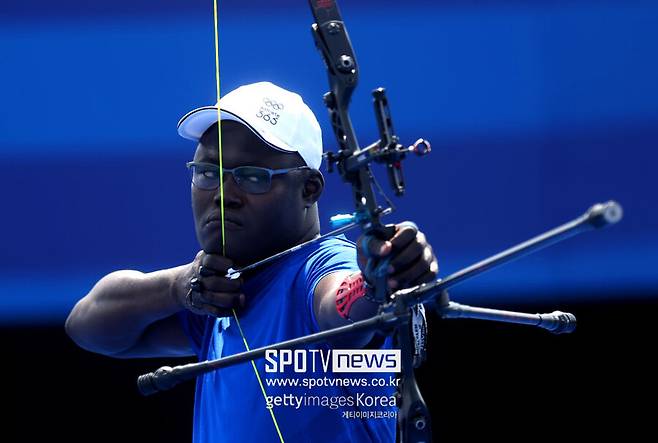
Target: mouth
x=229, y=222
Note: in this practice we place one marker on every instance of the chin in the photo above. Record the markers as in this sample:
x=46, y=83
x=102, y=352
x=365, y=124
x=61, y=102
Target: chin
x=241, y=247
x=235, y=249
x=211, y=244
x=239, y=255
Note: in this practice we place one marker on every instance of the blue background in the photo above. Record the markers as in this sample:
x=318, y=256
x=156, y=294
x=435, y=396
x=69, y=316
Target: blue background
x=535, y=110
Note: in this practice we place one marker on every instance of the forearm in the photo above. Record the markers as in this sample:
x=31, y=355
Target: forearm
x=119, y=308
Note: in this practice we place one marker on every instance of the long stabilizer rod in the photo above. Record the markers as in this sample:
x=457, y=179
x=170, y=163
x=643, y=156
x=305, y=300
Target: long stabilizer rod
x=597, y=216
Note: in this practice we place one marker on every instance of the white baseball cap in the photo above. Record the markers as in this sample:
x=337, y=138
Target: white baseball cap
x=279, y=117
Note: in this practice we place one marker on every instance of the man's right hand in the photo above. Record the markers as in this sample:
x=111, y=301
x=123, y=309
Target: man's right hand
x=214, y=294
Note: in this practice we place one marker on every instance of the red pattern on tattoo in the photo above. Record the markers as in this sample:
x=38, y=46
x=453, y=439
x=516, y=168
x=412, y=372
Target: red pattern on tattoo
x=349, y=291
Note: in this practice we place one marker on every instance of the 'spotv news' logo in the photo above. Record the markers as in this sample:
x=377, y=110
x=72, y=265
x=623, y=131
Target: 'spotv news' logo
x=342, y=360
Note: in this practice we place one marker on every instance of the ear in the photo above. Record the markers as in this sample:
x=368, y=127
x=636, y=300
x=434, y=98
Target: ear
x=313, y=187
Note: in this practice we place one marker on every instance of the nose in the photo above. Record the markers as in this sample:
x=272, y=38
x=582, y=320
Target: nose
x=233, y=197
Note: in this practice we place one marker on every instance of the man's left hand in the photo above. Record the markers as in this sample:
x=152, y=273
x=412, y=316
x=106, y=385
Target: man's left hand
x=412, y=259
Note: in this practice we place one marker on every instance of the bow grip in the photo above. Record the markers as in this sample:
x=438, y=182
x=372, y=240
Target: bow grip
x=383, y=232
x=376, y=271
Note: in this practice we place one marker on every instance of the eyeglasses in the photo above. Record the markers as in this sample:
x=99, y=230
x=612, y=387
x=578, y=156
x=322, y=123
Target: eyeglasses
x=251, y=179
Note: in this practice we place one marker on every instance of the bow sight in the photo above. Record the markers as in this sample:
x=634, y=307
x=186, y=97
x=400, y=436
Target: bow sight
x=352, y=162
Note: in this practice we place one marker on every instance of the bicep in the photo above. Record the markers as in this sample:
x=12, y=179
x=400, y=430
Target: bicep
x=324, y=306
x=163, y=338
x=324, y=300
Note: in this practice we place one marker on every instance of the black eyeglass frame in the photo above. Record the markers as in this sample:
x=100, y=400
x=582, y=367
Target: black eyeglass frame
x=270, y=172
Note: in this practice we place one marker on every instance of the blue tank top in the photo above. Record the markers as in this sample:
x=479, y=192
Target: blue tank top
x=229, y=403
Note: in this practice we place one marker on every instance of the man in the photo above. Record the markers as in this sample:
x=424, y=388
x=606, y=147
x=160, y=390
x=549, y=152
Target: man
x=271, y=149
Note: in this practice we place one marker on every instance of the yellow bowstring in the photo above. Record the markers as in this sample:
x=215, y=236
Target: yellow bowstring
x=260, y=382
x=221, y=199
x=219, y=127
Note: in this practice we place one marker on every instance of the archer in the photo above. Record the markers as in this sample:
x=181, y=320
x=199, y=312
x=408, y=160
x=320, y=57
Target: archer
x=272, y=150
